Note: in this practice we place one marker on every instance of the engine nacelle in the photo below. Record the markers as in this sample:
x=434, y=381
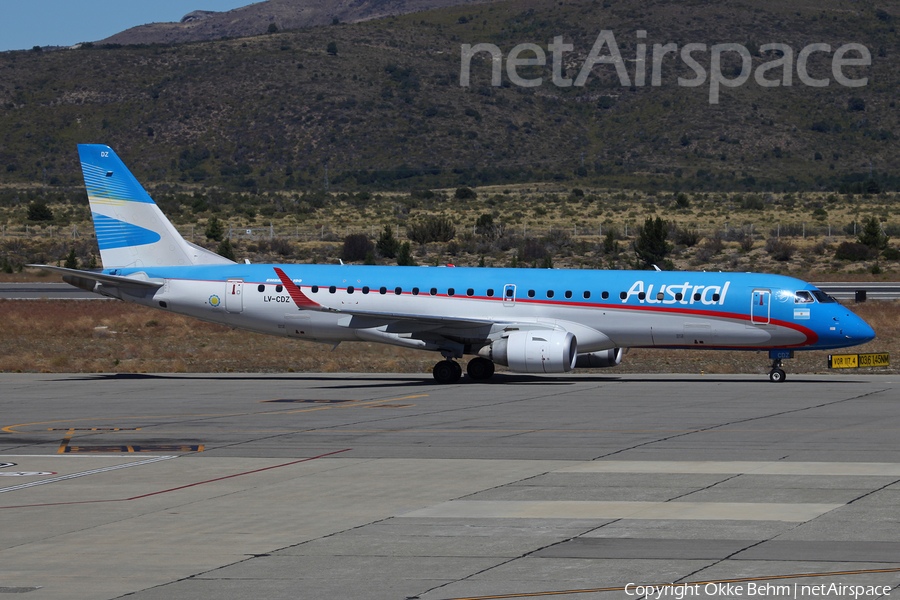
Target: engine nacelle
x=599, y=360
x=534, y=351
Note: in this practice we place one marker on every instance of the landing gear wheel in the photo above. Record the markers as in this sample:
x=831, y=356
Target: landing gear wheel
x=457, y=368
x=776, y=375
x=446, y=371
x=480, y=369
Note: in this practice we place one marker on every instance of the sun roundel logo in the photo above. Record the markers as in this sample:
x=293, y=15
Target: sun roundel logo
x=214, y=300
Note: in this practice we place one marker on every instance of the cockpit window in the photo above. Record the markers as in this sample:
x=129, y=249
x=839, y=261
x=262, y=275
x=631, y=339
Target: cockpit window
x=802, y=297
x=823, y=297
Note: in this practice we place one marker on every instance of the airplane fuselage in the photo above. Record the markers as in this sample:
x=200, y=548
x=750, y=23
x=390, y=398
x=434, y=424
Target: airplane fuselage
x=630, y=308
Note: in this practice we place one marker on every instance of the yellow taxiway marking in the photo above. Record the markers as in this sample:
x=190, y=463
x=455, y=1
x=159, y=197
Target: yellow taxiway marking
x=65, y=442
x=12, y=428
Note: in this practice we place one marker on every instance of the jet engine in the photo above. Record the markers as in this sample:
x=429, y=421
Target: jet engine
x=534, y=351
x=599, y=360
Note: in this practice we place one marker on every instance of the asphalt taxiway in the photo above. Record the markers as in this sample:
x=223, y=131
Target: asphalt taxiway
x=372, y=487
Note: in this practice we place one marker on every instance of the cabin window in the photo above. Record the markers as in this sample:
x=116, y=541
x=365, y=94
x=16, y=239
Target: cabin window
x=802, y=297
x=660, y=296
x=365, y=289
x=587, y=295
x=568, y=293
x=641, y=295
x=451, y=291
x=332, y=290
x=433, y=291
x=697, y=297
x=398, y=291
x=279, y=288
x=261, y=288
x=531, y=293
x=470, y=292
x=604, y=295
x=715, y=297
x=314, y=289
x=678, y=296
x=349, y=289
x=549, y=293
x=490, y=293
x=509, y=292
x=623, y=295
x=415, y=291
x=382, y=290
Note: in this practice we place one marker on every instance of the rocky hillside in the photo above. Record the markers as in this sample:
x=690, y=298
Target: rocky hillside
x=202, y=25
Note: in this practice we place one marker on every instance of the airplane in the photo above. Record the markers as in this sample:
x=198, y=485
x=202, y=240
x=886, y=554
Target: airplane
x=529, y=320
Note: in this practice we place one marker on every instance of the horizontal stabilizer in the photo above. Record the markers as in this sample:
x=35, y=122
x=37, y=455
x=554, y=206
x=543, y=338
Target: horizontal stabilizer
x=114, y=280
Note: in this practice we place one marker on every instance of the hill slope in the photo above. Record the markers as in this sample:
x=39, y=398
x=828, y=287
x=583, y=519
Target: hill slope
x=201, y=25
x=388, y=110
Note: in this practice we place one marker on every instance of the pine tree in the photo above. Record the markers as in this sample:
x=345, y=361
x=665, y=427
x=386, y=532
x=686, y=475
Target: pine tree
x=226, y=249
x=215, y=230
x=38, y=211
x=404, y=256
x=387, y=245
x=872, y=235
x=71, y=260
x=651, y=247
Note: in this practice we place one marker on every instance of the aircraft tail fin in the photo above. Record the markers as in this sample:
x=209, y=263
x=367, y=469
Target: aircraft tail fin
x=131, y=229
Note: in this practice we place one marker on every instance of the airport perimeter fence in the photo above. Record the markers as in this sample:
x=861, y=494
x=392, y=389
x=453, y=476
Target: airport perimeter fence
x=337, y=233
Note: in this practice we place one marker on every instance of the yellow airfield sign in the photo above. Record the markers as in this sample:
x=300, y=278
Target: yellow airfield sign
x=851, y=361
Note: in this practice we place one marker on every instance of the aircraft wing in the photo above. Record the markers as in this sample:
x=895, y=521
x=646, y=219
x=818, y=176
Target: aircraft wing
x=394, y=322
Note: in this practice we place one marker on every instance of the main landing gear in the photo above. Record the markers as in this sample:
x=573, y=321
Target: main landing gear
x=777, y=373
x=448, y=371
x=480, y=368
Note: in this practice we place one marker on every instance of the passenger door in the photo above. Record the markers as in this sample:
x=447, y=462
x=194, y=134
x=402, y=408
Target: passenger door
x=760, y=307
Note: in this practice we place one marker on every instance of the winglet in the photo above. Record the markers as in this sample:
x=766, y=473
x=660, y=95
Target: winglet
x=300, y=299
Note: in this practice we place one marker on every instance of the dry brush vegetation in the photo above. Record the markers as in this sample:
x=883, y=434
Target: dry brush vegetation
x=109, y=336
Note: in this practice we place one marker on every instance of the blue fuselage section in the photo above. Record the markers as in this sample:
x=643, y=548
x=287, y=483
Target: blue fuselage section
x=604, y=309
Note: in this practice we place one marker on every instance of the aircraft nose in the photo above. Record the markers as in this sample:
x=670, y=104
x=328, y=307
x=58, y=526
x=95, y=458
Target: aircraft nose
x=858, y=330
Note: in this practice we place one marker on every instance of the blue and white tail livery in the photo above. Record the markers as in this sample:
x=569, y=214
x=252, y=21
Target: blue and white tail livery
x=533, y=321
x=131, y=230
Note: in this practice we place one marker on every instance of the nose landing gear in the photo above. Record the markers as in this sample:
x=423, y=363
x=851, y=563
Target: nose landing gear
x=777, y=373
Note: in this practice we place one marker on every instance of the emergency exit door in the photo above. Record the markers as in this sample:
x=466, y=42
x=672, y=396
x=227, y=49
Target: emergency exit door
x=234, y=302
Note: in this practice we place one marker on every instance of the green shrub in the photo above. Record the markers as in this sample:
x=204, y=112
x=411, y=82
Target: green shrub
x=853, y=251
